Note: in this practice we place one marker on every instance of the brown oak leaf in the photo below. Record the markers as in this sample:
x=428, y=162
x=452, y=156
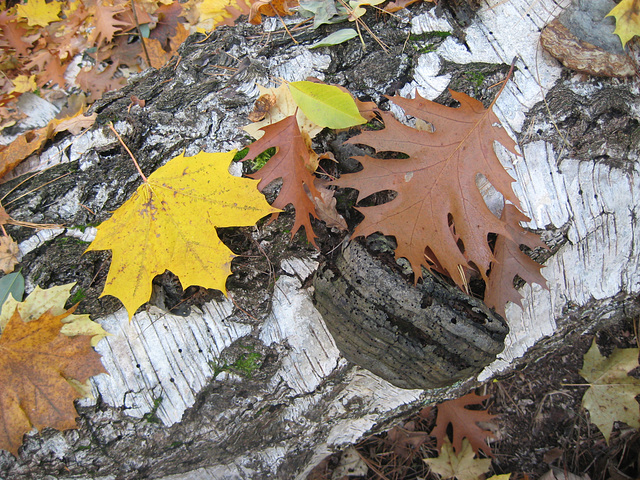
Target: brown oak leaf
x=464, y=423
x=436, y=186
x=511, y=261
x=289, y=163
x=36, y=364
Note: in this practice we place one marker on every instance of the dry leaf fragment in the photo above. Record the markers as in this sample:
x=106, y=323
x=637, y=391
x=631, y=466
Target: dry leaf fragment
x=611, y=396
x=35, y=362
x=262, y=106
x=627, y=15
x=461, y=465
x=8, y=254
x=270, y=8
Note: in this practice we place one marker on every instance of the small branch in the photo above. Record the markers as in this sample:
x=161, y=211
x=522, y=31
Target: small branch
x=135, y=162
x=144, y=46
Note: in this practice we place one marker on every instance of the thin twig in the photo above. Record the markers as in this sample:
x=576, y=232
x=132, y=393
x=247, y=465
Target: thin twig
x=135, y=162
x=144, y=46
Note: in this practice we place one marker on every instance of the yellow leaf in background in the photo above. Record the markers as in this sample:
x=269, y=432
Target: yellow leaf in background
x=627, y=15
x=170, y=224
x=23, y=83
x=39, y=12
x=358, y=7
x=52, y=300
x=284, y=107
x=462, y=466
x=611, y=396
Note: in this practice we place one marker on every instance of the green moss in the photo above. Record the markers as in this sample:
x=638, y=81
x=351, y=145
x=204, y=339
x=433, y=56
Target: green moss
x=152, y=416
x=78, y=295
x=245, y=364
x=262, y=159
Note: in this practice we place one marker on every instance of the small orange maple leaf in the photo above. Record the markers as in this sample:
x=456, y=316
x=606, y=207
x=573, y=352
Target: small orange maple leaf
x=36, y=364
x=464, y=423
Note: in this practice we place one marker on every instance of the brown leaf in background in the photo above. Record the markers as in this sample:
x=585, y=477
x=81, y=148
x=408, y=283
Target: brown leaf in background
x=8, y=254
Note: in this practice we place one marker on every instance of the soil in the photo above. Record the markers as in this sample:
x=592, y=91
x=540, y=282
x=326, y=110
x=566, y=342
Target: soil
x=540, y=425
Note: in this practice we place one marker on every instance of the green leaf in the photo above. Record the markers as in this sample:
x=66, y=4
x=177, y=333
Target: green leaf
x=336, y=37
x=326, y=105
x=11, y=284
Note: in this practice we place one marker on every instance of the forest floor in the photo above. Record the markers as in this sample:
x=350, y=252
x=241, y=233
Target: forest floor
x=540, y=426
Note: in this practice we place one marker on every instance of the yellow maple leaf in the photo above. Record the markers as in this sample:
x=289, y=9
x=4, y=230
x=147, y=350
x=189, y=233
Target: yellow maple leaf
x=612, y=392
x=170, y=224
x=39, y=12
x=627, y=15
x=24, y=83
x=461, y=466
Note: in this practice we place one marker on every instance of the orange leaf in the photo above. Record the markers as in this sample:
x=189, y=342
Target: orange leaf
x=511, y=261
x=36, y=362
x=270, y=8
x=464, y=423
x=436, y=183
x=290, y=164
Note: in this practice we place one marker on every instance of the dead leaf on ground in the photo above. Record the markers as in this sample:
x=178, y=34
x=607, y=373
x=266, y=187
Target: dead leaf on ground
x=464, y=423
x=173, y=218
x=461, y=465
x=35, y=362
x=611, y=395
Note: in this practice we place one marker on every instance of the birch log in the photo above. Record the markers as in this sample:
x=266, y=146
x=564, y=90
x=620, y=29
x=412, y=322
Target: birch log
x=222, y=394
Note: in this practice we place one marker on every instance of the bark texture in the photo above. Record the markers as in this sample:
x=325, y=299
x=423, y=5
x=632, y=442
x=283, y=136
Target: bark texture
x=255, y=387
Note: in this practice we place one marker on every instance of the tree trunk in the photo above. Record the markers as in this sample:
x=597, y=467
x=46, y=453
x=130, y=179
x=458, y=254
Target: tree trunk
x=253, y=386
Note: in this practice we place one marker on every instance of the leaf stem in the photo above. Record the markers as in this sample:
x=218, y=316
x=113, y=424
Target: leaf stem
x=504, y=82
x=135, y=162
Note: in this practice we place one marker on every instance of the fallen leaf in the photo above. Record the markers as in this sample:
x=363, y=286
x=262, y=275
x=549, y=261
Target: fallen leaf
x=35, y=361
x=326, y=208
x=357, y=7
x=464, y=423
x=11, y=284
x=24, y=83
x=612, y=392
x=336, y=38
x=400, y=4
x=105, y=25
x=52, y=300
x=461, y=466
x=435, y=184
x=627, y=15
x=289, y=163
x=263, y=104
x=284, y=107
x=173, y=219
x=326, y=105
x=271, y=8
x=39, y=12
x=511, y=261
x=8, y=253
